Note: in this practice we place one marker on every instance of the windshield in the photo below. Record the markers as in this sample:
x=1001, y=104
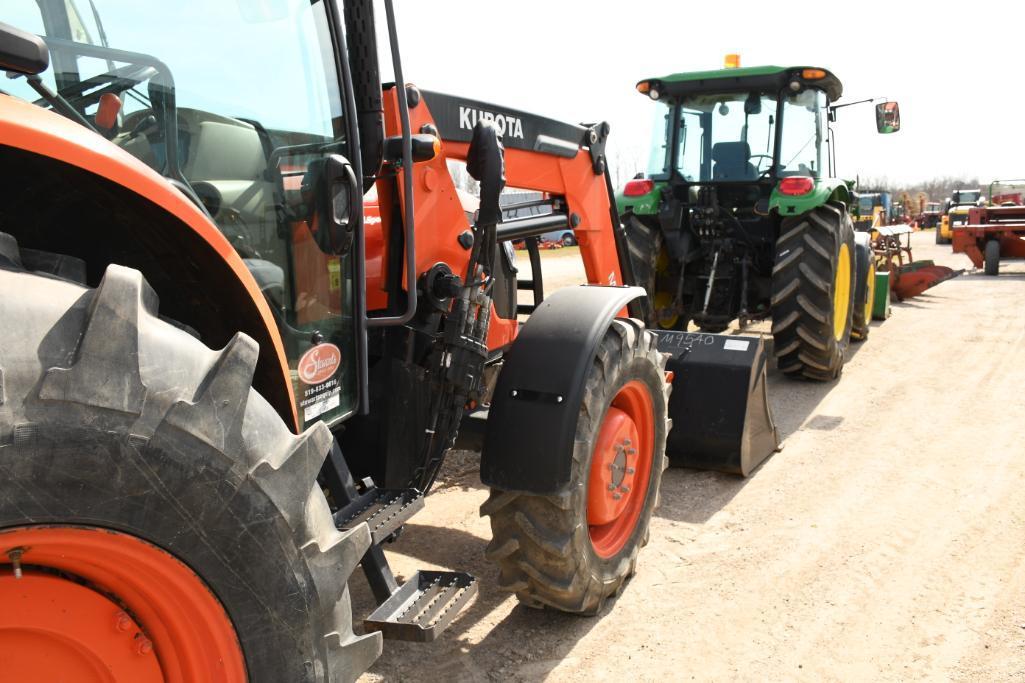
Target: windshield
x=234, y=101
x=724, y=137
x=967, y=196
x=804, y=134
x=866, y=203
x=661, y=130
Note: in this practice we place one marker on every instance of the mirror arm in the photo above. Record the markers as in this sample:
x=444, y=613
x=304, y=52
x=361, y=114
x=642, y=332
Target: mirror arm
x=834, y=107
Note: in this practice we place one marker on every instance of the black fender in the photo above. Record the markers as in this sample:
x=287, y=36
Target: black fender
x=534, y=410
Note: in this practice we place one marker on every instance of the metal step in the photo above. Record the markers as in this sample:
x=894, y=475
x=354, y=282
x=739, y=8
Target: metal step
x=424, y=606
x=384, y=511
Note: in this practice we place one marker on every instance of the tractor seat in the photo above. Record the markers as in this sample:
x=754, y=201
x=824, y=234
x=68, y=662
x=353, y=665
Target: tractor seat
x=733, y=161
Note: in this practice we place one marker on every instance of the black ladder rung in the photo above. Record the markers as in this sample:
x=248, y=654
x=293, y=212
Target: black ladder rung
x=384, y=511
x=424, y=606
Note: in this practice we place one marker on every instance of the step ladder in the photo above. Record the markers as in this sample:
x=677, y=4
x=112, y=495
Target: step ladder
x=425, y=605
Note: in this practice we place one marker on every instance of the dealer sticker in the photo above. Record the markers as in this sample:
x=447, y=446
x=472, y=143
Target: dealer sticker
x=735, y=345
x=321, y=391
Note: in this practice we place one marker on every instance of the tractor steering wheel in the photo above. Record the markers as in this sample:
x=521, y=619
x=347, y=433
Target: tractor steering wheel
x=758, y=165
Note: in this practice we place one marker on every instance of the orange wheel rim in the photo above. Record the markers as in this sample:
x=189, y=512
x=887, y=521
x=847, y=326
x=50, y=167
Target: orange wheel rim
x=621, y=469
x=91, y=605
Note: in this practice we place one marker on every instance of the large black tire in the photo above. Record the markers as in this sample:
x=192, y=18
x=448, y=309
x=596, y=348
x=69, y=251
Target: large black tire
x=939, y=236
x=646, y=245
x=542, y=544
x=992, y=257
x=113, y=419
x=811, y=331
x=864, y=290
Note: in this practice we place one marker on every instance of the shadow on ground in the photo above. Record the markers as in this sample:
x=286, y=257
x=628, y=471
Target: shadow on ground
x=694, y=496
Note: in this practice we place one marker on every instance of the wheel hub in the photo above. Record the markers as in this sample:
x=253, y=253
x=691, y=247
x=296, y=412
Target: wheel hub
x=53, y=629
x=92, y=605
x=620, y=469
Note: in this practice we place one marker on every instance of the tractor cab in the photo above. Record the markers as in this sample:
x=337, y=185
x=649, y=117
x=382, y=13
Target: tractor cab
x=255, y=137
x=741, y=130
x=724, y=145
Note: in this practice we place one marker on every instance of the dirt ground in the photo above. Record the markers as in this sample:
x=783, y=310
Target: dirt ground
x=886, y=540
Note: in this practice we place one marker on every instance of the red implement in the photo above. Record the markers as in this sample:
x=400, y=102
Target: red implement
x=908, y=278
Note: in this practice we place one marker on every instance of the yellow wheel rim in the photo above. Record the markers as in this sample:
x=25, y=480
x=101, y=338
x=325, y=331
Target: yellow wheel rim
x=841, y=292
x=871, y=292
x=663, y=300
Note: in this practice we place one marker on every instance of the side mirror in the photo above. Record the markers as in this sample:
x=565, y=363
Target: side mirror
x=887, y=117
x=333, y=186
x=22, y=52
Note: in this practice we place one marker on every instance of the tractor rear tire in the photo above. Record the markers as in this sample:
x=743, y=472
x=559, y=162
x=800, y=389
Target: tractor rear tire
x=547, y=552
x=646, y=246
x=813, y=283
x=864, y=290
x=114, y=422
x=992, y=257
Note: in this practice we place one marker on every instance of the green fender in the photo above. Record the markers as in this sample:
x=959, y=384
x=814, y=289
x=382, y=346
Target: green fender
x=641, y=205
x=825, y=190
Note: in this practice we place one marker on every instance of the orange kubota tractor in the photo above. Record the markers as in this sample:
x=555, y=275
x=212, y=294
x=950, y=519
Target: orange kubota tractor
x=169, y=512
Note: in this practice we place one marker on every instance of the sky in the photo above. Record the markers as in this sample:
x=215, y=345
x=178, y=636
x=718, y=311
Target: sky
x=962, y=97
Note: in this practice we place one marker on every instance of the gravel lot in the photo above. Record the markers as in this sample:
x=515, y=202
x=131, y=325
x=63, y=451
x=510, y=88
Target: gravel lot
x=884, y=542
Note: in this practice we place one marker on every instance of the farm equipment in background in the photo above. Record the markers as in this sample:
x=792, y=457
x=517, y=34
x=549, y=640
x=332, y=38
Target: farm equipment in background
x=929, y=215
x=905, y=277
x=871, y=209
x=890, y=233
x=1007, y=193
x=955, y=212
x=740, y=216
x=992, y=234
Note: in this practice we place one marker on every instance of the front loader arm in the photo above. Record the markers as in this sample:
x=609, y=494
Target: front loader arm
x=563, y=160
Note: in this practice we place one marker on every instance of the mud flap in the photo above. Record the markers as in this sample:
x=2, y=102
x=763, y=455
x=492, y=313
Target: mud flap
x=719, y=405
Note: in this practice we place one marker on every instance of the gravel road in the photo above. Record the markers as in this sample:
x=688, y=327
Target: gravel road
x=884, y=542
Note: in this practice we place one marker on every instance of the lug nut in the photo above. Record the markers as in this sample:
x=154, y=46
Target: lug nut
x=123, y=622
x=144, y=646
x=612, y=487
x=616, y=496
x=630, y=470
x=15, y=557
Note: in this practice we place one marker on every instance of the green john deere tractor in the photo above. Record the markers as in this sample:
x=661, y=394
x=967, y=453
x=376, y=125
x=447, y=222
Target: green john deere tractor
x=740, y=215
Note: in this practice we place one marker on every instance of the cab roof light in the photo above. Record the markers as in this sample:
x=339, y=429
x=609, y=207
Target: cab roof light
x=813, y=74
x=732, y=61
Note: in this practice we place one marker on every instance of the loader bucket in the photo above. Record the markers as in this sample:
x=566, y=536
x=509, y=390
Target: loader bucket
x=719, y=404
x=914, y=278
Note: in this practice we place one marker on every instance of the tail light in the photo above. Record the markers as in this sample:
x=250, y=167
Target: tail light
x=796, y=185
x=639, y=187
